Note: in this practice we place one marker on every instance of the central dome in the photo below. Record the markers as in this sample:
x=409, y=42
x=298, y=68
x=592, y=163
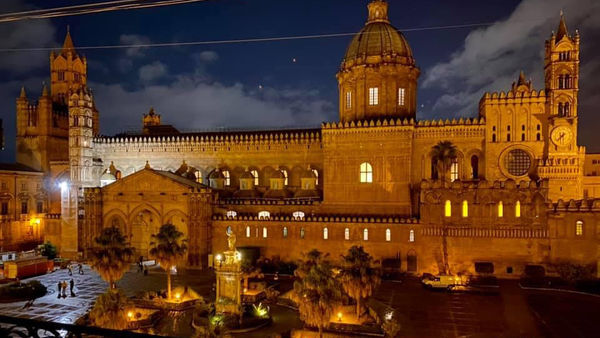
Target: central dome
x=378, y=41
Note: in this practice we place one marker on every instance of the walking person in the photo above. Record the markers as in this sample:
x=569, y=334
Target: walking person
x=64, y=289
x=80, y=269
x=72, y=284
x=59, y=289
x=70, y=270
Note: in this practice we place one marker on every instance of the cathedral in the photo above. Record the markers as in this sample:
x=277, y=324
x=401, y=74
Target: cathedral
x=516, y=191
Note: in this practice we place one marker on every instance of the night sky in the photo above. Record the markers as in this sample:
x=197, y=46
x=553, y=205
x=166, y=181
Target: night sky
x=257, y=85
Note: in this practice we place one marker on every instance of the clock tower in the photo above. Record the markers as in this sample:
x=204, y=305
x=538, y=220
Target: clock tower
x=563, y=159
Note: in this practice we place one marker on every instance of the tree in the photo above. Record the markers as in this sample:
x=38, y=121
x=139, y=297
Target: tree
x=49, y=250
x=112, y=255
x=317, y=291
x=359, y=276
x=110, y=310
x=168, y=248
x=442, y=155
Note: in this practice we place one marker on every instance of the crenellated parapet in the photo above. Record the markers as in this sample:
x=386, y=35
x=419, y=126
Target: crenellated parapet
x=321, y=219
x=591, y=205
x=440, y=129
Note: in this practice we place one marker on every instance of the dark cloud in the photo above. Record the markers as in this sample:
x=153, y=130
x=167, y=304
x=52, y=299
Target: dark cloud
x=491, y=59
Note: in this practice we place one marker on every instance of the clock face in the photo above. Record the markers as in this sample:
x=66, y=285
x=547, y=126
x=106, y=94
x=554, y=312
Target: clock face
x=561, y=136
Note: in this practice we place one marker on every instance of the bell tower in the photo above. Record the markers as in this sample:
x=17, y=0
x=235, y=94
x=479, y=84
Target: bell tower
x=563, y=160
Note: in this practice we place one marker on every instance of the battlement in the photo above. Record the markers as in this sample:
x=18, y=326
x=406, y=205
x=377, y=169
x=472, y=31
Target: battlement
x=454, y=122
x=368, y=123
x=508, y=184
x=511, y=96
x=321, y=219
x=592, y=205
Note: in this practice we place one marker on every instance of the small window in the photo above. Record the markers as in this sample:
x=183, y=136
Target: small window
x=538, y=127
x=493, y=137
x=522, y=137
x=301, y=233
x=264, y=214
x=316, y=173
x=366, y=173
x=231, y=213
x=538, y=137
x=518, y=209
x=500, y=209
x=366, y=234
x=198, y=175
x=411, y=236
x=388, y=235
x=348, y=100
x=4, y=210
x=40, y=207
x=298, y=215
x=61, y=76
x=507, y=137
x=579, y=228
x=401, y=92
x=454, y=170
x=325, y=233
x=24, y=207
x=265, y=232
x=247, y=231
x=227, y=177
x=465, y=209
x=285, y=232
x=347, y=234
x=285, y=176
x=255, y=175
x=523, y=127
x=373, y=96
x=448, y=208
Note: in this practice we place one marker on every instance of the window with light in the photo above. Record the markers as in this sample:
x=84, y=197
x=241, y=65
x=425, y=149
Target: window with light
x=198, y=175
x=373, y=96
x=316, y=173
x=388, y=235
x=579, y=228
x=255, y=175
x=227, y=177
x=401, y=93
x=285, y=232
x=301, y=233
x=264, y=232
x=348, y=100
x=465, y=209
x=299, y=215
x=366, y=173
x=518, y=209
x=264, y=214
x=325, y=233
x=231, y=213
x=366, y=234
x=347, y=234
x=247, y=231
x=447, y=208
x=500, y=209
x=454, y=169
x=411, y=236
x=285, y=176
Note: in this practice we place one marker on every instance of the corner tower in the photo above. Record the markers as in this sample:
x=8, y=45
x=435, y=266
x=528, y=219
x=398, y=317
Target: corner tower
x=378, y=75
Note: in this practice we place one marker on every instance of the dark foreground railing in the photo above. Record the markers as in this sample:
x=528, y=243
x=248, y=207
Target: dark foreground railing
x=23, y=327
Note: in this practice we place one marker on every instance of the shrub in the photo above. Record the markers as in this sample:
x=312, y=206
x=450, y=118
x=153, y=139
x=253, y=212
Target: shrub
x=573, y=273
x=29, y=290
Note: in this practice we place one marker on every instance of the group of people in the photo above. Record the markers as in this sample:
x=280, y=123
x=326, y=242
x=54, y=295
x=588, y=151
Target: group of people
x=62, y=288
x=79, y=267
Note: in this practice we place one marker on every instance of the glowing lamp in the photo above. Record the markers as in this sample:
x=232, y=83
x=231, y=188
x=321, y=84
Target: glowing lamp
x=339, y=316
x=63, y=186
x=130, y=314
x=177, y=296
x=218, y=257
x=35, y=221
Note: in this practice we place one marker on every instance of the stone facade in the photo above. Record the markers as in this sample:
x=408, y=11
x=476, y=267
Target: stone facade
x=367, y=179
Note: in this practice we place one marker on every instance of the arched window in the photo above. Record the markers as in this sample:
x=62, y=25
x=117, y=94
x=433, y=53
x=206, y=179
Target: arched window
x=366, y=173
x=522, y=137
x=285, y=232
x=264, y=232
x=228, y=230
x=474, y=167
x=325, y=233
x=247, y=231
x=231, y=213
x=518, y=209
x=285, y=176
x=373, y=96
x=301, y=233
x=500, y=209
x=465, y=209
x=198, y=175
x=411, y=236
x=264, y=214
x=366, y=234
x=454, y=169
x=401, y=94
x=348, y=100
x=493, y=137
x=299, y=215
x=255, y=175
x=316, y=172
x=448, y=208
x=434, y=169
x=347, y=234
x=538, y=137
x=579, y=228
x=227, y=177
x=388, y=235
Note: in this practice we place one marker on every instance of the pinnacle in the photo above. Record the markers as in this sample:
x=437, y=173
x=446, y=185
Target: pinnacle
x=68, y=45
x=562, y=28
x=23, y=93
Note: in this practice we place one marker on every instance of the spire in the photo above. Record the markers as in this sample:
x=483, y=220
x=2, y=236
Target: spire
x=562, y=28
x=378, y=11
x=23, y=93
x=522, y=80
x=44, y=90
x=68, y=45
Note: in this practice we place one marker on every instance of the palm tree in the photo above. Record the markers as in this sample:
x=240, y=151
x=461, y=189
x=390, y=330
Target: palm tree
x=168, y=248
x=317, y=291
x=110, y=311
x=111, y=257
x=442, y=154
x=359, y=276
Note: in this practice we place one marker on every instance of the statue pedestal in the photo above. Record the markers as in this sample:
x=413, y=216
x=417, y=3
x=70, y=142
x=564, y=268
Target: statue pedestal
x=228, y=270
